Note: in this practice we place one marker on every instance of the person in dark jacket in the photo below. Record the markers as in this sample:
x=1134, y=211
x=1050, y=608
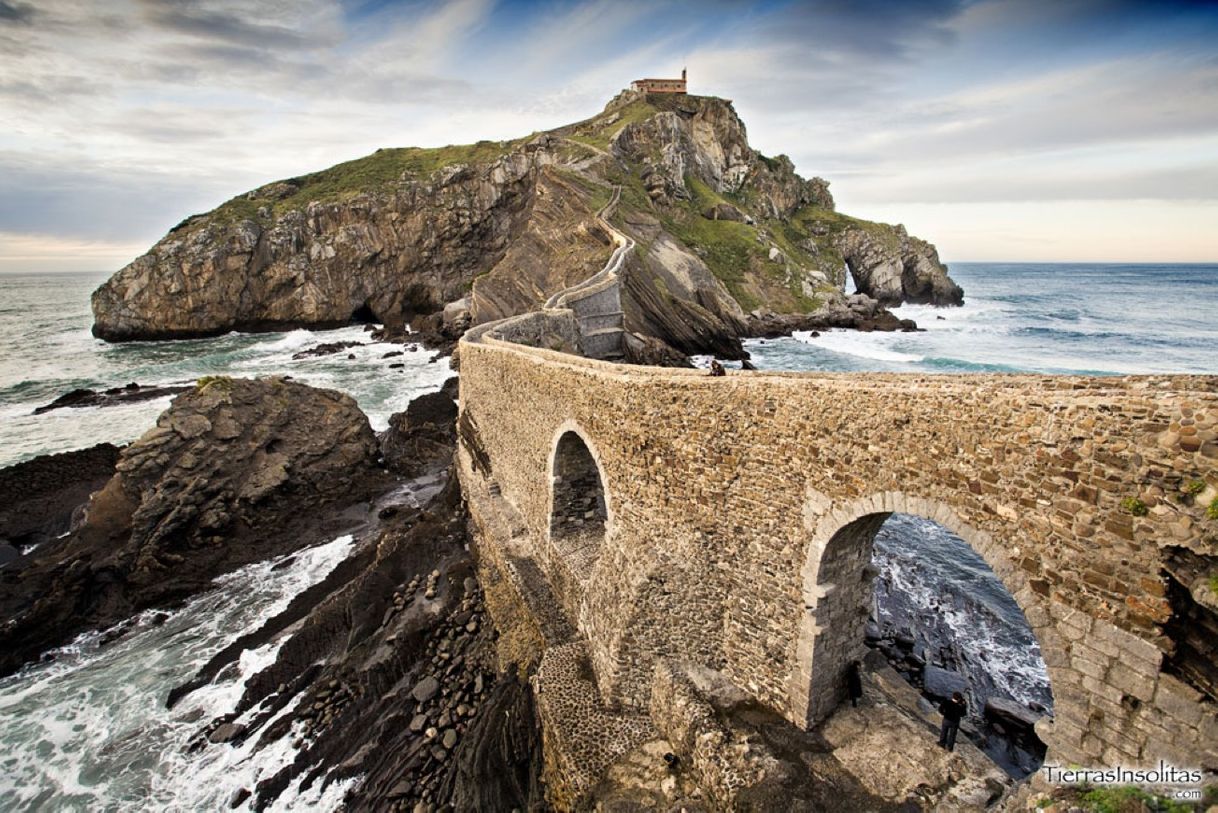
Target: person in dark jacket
x=952, y=710
x=854, y=682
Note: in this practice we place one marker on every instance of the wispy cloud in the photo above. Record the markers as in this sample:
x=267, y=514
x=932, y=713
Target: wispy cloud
x=16, y=13
x=123, y=117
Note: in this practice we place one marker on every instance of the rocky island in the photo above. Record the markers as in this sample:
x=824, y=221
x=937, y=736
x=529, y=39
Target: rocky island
x=730, y=242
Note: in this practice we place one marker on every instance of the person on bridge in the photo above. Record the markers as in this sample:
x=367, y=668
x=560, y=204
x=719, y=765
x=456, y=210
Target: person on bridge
x=854, y=682
x=952, y=710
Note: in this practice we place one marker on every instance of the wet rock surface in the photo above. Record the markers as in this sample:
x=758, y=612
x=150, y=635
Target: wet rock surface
x=325, y=349
x=387, y=670
x=423, y=435
x=235, y=471
x=130, y=394
x=42, y=495
x=857, y=312
x=391, y=668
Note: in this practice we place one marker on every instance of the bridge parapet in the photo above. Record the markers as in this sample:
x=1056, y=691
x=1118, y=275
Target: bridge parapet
x=727, y=494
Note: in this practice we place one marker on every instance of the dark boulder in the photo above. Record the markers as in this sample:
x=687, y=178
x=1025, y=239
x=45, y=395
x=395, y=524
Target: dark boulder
x=422, y=436
x=130, y=394
x=940, y=683
x=1011, y=715
x=327, y=349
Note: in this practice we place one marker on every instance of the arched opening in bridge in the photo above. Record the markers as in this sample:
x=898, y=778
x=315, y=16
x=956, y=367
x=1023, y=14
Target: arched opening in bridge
x=579, y=511
x=912, y=591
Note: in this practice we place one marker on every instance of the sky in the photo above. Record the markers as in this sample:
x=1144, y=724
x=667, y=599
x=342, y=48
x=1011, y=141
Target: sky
x=1029, y=130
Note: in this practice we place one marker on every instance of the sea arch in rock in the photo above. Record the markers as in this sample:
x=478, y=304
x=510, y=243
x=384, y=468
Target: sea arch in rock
x=837, y=589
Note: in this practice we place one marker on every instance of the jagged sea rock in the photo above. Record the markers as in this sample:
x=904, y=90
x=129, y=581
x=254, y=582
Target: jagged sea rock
x=891, y=267
x=940, y=683
x=1014, y=716
x=325, y=249
x=130, y=394
x=235, y=471
x=421, y=436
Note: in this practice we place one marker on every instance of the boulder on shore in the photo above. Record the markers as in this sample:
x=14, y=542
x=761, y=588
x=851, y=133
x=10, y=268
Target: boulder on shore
x=1011, y=715
x=423, y=435
x=940, y=683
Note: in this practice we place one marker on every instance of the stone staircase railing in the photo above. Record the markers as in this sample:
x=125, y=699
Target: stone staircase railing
x=594, y=305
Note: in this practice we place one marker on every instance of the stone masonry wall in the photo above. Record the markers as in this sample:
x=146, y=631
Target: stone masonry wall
x=723, y=494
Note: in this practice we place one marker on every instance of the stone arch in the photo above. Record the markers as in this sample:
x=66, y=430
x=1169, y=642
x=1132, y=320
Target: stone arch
x=830, y=630
x=580, y=513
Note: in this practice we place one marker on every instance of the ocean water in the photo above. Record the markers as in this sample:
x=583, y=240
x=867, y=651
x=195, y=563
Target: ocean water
x=89, y=731
x=1045, y=318
x=46, y=349
x=947, y=590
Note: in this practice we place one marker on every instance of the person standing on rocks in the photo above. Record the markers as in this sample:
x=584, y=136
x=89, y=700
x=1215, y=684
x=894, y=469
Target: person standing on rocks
x=952, y=710
x=854, y=682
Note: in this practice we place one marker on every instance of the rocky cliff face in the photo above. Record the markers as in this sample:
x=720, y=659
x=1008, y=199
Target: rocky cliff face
x=493, y=229
x=892, y=267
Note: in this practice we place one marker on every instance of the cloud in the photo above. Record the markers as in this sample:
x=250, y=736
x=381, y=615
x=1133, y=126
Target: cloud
x=97, y=200
x=16, y=13
x=871, y=29
x=26, y=253
x=123, y=117
x=222, y=26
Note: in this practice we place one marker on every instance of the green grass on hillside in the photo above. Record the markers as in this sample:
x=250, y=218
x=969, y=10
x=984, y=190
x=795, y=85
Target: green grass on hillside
x=734, y=253
x=814, y=219
x=378, y=171
x=727, y=248
x=599, y=131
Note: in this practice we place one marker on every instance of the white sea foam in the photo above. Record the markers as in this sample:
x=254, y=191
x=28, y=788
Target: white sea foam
x=986, y=631
x=90, y=729
x=853, y=343
x=27, y=435
x=295, y=340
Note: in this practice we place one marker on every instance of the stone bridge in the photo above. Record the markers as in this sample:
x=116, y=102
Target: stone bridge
x=654, y=516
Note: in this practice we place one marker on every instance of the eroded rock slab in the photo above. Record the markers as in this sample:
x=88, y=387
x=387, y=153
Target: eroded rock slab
x=234, y=471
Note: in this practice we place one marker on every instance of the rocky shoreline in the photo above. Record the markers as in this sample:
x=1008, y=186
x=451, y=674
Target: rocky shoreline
x=235, y=471
x=389, y=662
